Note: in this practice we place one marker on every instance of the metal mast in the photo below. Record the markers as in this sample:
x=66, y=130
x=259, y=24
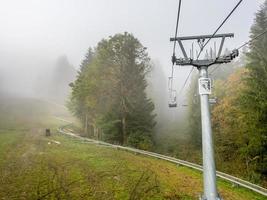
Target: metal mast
x=209, y=170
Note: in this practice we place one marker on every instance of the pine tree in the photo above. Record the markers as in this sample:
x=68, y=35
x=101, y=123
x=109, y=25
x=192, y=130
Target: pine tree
x=111, y=90
x=254, y=99
x=240, y=118
x=77, y=102
x=87, y=60
x=62, y=75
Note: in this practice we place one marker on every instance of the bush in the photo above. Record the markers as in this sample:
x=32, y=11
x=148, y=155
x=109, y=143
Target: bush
x=140, y=140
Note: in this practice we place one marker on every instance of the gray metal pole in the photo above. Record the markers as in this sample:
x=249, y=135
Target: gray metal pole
x=209, y=171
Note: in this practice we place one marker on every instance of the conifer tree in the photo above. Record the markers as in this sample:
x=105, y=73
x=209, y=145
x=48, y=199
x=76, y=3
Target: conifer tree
x=254, y=99
x=110, y=89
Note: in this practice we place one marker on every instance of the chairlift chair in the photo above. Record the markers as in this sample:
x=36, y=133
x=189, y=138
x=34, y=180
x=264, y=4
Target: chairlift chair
x=172, y=99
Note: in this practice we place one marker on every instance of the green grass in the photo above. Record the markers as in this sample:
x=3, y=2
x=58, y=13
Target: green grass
x=33, y=166
x=38, y=167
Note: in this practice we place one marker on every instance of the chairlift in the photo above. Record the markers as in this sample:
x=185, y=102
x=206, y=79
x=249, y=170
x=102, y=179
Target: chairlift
x=172, y=99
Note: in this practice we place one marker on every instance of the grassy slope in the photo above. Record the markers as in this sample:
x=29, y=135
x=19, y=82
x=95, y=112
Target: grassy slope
x=32, y=166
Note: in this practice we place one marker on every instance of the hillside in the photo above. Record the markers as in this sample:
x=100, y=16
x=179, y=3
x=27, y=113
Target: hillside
x=33, y=166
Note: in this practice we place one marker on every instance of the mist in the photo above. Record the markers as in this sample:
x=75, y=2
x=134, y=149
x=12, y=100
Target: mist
x=36, y=77
x=36, y=34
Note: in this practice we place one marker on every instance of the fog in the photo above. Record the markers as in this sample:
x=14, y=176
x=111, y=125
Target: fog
x=35, y=34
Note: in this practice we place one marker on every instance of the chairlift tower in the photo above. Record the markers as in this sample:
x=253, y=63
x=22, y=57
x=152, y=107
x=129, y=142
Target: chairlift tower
x=204, y=82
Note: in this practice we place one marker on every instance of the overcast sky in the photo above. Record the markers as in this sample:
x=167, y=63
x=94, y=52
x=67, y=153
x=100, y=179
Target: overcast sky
x=42, y=30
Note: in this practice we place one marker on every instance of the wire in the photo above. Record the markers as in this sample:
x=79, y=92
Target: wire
x=175, y=36
x=172, y=78
x=187, y=78
x=177, y=25
x=246, y=43
x=255, y=38
x=216, y=68
x=202, y=48
x=219, y=27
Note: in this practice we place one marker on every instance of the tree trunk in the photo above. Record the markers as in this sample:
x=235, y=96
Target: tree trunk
x=86, y=125
x=97, y=132
x=91, y=131
x=124, y=135
x=94, y=131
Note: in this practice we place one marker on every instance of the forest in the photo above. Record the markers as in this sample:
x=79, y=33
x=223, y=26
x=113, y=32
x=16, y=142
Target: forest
x=110, y=98
x=240, y=115
x=109, y=94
